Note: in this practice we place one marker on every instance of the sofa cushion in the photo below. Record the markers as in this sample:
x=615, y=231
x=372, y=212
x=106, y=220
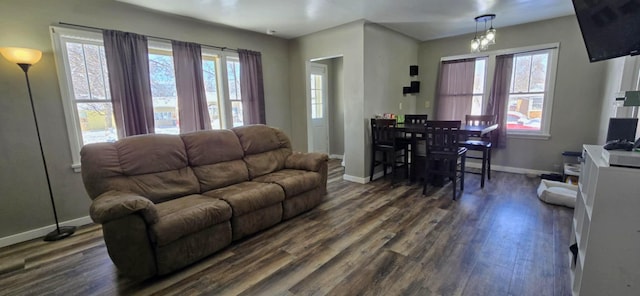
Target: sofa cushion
x=265, y=148
x=267, y=162
x=222, y=174
x=153, y=166
x=182, y=216
x=212, y=146
x=293, y=182
x=247, y=197
x=216, y=158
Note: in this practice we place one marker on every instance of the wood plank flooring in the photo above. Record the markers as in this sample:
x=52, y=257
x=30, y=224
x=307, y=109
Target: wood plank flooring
x=362, y=240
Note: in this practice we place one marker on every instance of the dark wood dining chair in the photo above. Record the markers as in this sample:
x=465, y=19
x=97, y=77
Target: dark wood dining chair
x=412, y=139
x=444, y=155
x=481, y=144
x=384, y=138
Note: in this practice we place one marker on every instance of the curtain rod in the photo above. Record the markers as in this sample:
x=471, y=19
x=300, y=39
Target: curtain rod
x=223, y=48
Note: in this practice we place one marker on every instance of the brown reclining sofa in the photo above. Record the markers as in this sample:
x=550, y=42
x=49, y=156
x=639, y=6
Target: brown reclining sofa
x=166, y=201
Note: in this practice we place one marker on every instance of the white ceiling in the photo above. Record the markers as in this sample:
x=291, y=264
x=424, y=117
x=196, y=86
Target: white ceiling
x=421, y=19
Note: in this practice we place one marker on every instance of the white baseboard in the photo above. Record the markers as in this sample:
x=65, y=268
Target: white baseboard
x=355, y=179
x=475, y=165
x=41, y=232
x=364, y=180
x=507, y=169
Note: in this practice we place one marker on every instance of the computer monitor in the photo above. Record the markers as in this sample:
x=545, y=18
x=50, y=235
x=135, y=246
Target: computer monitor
x=622, y=129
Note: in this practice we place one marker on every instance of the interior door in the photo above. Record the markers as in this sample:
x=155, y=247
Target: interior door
x=317, y=104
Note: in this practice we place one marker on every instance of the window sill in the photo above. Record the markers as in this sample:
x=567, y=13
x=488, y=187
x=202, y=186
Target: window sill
x=529, y=136
x=76, y=167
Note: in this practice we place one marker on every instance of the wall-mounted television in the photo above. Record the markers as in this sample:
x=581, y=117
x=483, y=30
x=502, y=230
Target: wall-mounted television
x=610, y=28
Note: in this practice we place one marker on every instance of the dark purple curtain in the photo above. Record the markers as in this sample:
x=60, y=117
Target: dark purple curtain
x=251, y=86
x=192, y=98
x=499, y=97
x=455, y=90
x=128, y=64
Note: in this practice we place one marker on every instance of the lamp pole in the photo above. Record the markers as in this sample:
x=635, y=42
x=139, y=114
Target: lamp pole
x=25, y=58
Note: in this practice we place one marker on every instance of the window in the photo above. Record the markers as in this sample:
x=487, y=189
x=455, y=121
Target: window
x=163, y=89
x=90, y=88
x=531, y=90
x=210, y=65
x=84, y=84
x=527, y=91
x=478, y=86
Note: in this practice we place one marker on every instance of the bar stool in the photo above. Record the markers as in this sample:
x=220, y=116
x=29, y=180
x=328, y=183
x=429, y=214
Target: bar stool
x=384, y=139
x=482, y=144
x=444, y=156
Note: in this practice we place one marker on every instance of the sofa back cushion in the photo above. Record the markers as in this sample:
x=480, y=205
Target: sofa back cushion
x=216, y=158
x=153, y=166
x=265, y=148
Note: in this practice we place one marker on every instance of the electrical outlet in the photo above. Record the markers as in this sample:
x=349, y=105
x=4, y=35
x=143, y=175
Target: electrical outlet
x=400, y=105
x=427, y=103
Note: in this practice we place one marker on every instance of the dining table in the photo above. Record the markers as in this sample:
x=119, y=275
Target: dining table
x=419, y=129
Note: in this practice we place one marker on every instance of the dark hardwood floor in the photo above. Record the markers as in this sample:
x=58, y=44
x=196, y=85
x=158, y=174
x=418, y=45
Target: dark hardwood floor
x=362, y=240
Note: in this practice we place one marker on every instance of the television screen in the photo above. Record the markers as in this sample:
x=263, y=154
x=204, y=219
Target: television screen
x=622, y=129
x=610, y=28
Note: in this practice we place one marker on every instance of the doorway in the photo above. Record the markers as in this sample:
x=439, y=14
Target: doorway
x=318, y=106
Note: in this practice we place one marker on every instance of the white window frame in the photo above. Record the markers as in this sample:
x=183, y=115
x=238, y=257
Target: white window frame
x=65, y=80
x=545, y=126
x=58, y=34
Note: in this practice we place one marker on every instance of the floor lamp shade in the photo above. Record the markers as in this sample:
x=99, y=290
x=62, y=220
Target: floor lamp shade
x=21, y=55
x=25, y=57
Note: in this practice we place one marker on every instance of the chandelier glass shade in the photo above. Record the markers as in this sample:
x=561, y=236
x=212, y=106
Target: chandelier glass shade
x=482, y=41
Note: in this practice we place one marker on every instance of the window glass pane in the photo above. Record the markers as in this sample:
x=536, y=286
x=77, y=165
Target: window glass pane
x=316, y=96
x=525, y=112
x=538, y=72
x=211, y=89
x=96, y=122
x=233, y=73
x=236, y=113
x=98, y=82
x=78, y=70
x=163, y=91
x=522, y=71
x=235, y=95
x=88, y=71
x=476, y=105
x=478, y=77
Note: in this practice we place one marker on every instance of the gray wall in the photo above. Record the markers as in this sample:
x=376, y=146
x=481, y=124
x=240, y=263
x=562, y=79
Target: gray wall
x=388, y=56
x=346, y=41
x=577, y=98
x=337, y=107
x=24, y=201
x=375, y=67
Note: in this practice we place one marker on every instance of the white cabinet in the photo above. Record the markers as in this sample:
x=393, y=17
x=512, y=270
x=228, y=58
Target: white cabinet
x=606, y=228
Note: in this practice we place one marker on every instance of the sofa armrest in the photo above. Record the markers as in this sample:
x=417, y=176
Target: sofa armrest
x=306, y=161
x=113, y=205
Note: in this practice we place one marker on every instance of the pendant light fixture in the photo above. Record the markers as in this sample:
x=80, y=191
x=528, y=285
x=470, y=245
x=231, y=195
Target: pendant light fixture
x=482, y=42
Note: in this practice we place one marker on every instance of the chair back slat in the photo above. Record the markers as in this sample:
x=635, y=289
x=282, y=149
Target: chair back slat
x=383, y=131
x=477, y=120
x=415, y=119
x=442, y=136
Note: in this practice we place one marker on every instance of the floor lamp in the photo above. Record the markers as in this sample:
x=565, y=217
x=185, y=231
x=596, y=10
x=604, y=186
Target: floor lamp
x=26, y=57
